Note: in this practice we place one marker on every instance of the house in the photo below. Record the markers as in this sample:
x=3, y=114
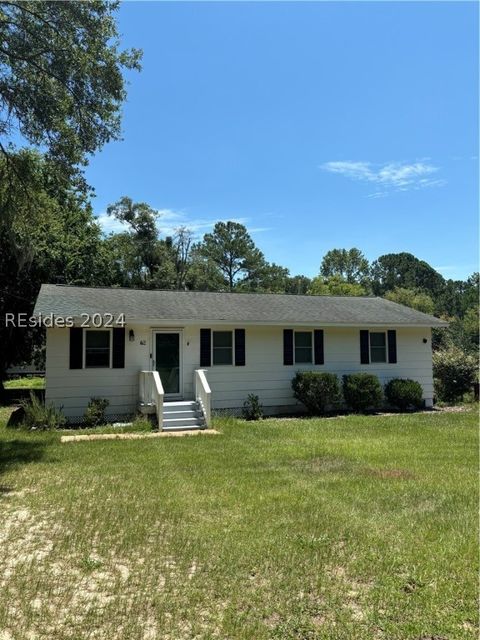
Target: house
x=182, y=354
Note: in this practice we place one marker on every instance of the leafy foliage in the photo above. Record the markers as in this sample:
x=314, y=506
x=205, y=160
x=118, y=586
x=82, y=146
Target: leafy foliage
x=411, y=298
x=38, y=416
x=61, y=83
x=95, y=412
x=454, y=373
x=349, y=265
x=231, y=249
x=362, y=391
x=60, y=241
x=404, y=393
x=335, y=286
x=252, y=409
x=317, y=391
x=404, y=270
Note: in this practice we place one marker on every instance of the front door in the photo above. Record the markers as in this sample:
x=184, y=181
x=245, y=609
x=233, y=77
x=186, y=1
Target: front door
x=167, y=359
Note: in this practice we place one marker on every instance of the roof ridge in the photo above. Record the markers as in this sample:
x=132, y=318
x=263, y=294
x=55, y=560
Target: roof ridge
x=240, y=293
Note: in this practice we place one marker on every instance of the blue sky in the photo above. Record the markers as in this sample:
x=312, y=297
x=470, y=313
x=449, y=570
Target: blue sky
x=317, y=125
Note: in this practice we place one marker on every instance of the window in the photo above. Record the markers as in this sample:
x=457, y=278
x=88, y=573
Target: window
x=222, y=347
x=378, y=347
x=97, y=348
x=303, y=346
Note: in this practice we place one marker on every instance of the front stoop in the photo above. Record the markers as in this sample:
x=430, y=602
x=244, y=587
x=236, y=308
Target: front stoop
x=182, y=415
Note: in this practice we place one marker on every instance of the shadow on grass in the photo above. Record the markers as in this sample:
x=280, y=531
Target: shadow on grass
x=15, y=453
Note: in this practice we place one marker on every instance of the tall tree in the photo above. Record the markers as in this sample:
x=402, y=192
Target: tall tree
x=143, y=234
x=61, y=82
x=181, y=245
x=64, y=243
x=231, y=249
x=404, y=270
x=298, y=285
x=348, y=264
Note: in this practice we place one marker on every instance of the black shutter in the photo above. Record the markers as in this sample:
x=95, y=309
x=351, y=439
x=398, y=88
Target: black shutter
x=392, y=346
x=288, y=346
x=205, y=347
x=364, y=347
x=76, y=347
x=318, y=346
x=239, y=347
x=118, y=348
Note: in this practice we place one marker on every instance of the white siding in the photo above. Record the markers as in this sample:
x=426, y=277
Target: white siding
x=264, y=373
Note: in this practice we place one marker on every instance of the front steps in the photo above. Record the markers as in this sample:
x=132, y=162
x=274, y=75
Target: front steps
x=182, y=415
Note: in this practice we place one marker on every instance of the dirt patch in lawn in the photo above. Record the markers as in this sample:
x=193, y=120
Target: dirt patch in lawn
x=137, y=436
x=386, y=474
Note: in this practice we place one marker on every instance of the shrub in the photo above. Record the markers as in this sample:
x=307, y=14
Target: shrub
x=94, y=415
x=362, y=391
x=454, y=372
x=39, y=416
x=252, y=409
x=404, y=393
x=317, y=391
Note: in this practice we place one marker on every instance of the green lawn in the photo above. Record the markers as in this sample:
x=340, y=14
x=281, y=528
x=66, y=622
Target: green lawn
x=343, y=528
x=25, y=383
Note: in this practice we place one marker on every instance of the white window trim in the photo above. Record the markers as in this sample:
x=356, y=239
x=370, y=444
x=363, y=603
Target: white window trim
x=312, y=354
x=370, y=348
x=84, y=359
x=232, y=364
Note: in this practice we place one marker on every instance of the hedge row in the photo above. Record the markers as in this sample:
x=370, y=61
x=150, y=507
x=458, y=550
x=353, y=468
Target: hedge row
x=321, y=392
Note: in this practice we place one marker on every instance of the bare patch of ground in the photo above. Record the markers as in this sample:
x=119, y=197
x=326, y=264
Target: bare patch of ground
x=138, y=436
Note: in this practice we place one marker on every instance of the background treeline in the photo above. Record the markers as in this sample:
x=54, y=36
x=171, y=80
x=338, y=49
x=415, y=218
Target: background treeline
x=62, y=243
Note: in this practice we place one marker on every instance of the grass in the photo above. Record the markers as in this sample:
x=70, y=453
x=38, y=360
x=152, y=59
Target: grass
x=344, y=528
x=25, y=383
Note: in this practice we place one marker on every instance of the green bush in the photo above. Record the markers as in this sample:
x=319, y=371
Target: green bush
x=454, y=372
x=252, y=409
x=362, y=391
x=317, y=391
x=404, y=393
x=38, y=416
x=94, y=415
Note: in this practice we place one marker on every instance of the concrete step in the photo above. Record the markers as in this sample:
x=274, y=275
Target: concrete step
x=183, y=427
x=189, y=413
x=179, y=403
x=174, y=421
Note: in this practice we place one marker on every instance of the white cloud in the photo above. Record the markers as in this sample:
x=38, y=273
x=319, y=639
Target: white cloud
x=393, y=176
x=109, y=224
x=169, y=221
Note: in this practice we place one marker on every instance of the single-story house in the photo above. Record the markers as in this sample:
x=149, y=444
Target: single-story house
x=182, y=354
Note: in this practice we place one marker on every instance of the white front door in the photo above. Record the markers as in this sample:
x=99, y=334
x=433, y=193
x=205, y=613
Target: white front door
x=167, y=355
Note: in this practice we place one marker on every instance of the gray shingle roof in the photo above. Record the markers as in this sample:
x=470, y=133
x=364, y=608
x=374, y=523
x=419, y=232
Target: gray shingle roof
x=142, y=305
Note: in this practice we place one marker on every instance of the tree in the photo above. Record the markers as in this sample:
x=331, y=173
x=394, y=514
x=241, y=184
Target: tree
x=231, y=249
x=181, y=245
x=412, y=298
x=404, y=270
x=61, y=82
x=142, y=255
x=268, y=278
x=348, y=264
x=298, y=285
x=64, y=243
x=334, y=286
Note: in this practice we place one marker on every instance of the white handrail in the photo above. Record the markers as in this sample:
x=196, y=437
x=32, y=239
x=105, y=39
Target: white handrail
x=203, y=395
x=151, y=393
